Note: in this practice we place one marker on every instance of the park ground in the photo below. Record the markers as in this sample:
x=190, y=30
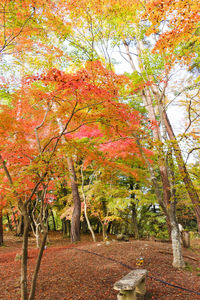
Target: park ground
x=75, y=271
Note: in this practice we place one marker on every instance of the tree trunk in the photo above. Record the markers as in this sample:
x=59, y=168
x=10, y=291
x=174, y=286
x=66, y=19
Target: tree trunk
x=20, y=226
x=53, y=219
x=185, y=236
x=183, y=170
x=1, y=227
x=178, y=261
x=104, y=232
x=147, y=98
x=85, y=208
x=109, y=228
x=37, y=266
x=75, y=224
x=24, y=212
x=134, y=213
x=156, y=188
x=9, y=223
x=68, y=226
x=84, y=226
x=134, y=221
x=64, y=228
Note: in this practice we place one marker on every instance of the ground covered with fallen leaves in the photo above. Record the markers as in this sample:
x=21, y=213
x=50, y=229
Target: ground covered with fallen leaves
x=88, y=270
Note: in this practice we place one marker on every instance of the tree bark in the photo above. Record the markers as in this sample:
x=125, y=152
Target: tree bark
x=37, y=266
x=104, y=231
x=20, y=226
x=53, y=219
x=134, y=221
x=134, y=214
x=1, y=226
x=75, y=224
x=9, y=223
x=24, y=212
x=178, y=261
x=85, y=209
x=64, y=228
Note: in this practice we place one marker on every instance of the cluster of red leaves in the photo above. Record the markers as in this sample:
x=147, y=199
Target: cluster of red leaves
x=86, y=103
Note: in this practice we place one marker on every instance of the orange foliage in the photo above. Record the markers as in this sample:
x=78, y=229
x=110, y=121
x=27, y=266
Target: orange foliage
x=182, y=22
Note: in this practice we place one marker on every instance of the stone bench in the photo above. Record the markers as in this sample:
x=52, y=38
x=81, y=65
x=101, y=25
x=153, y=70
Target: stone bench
x=131, y=284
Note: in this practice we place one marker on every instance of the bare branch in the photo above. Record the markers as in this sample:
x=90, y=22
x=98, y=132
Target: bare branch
x=39, y=126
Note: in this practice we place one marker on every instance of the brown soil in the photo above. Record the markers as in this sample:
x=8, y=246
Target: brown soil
x=71, y=271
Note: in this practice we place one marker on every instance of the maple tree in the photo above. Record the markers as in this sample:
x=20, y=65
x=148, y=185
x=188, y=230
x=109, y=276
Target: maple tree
x=30, y=135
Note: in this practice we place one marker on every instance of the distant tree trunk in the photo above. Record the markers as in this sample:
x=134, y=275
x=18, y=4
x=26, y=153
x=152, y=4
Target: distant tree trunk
x=14, y=217
x=68, y=225
x=1, y=226
x=134, y=214
x=53, y=219
x=185, y=236
x=64, y=227
x=104, y=232
x=97, y=229
x=9, y=223
x=104, y=226
x=134, y=221
x=75, y=224
x=84, y=227
x=109, y=228
x=20, y=226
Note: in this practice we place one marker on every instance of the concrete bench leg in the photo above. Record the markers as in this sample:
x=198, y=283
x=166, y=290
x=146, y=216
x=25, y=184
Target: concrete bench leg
x=141, y=288
x=127, y=295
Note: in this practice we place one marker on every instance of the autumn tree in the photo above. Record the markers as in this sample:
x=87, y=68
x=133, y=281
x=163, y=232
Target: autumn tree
x=31, y=135
x=124, y=26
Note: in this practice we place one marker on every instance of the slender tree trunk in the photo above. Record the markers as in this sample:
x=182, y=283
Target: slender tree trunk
x=148, y=102
x=88, y=222
x=85, y=208
x=104, y=231
x=24, y=293
x=109, y=228
x=37, y=235
x=134, y=213
x=183, y=170
x=84, y=225
x=156, y=188
x=20, y=226
x=53, y=219
x=75, y=225
x=64, y=227
x=14, y=217
x=178, y=261
x=68, y=226
x=134, y=221
x=37, y=266
x=1, y=226
x=9, y=223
